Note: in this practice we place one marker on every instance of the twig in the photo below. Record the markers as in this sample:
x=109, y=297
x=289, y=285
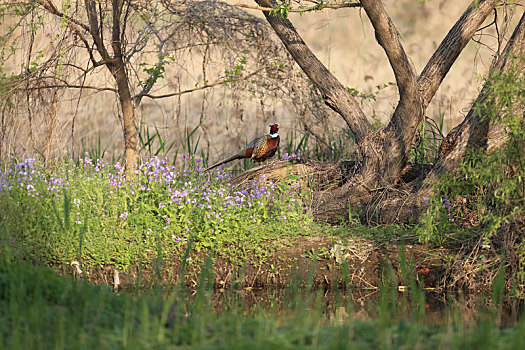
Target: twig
x=220, y=82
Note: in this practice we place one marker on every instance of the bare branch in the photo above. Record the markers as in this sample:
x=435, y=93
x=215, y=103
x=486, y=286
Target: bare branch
x=52, y=9
x=143, y=32
x=319, y=5
x=124, y=21
x=87, y=46
x=115, y=38
x=69, y=86
x=220, y=82
x=451, y=46
x=39, y=83
x=334, y=93
x=91, y=10
x=388, y=37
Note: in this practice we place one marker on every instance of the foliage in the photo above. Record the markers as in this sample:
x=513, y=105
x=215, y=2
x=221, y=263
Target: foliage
x=372, y=96
x=428, y=139
x=487, y=189
x=89, y=212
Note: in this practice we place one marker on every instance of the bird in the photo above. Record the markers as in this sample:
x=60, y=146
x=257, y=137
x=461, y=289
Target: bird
x=258, y=150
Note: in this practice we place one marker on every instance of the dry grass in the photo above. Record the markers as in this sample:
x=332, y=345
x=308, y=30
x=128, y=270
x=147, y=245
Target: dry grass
x=342, y=39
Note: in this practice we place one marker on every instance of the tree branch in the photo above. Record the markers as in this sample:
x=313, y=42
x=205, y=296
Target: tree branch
x=52, y=9
x=115, y=37
x=142, y=33
x=87, y=46
x=334, y=93
x=68, y=86
x=451, y=46
x=318, y=6
x=96, y=30
x=411, y=111
x=388, y=37
x=42, y=81
x=220, y=82
x=91, y=10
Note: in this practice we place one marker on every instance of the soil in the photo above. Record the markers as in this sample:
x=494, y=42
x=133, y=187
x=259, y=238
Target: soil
x=348, y=263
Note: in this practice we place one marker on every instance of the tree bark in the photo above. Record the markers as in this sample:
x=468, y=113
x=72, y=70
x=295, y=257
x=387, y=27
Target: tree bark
x=129, y=127
x=128, y=119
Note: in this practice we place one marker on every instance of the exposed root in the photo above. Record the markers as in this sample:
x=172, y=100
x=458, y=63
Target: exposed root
x=334, y=187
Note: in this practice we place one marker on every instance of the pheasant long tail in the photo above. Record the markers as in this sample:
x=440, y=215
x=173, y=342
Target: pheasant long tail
x=227, y=160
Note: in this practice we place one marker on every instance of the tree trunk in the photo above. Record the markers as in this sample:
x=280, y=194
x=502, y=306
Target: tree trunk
x=128, y=119
x=376, y=182
x=115, y=64
x=400, y=204
x=384, y=153
x=126, y=102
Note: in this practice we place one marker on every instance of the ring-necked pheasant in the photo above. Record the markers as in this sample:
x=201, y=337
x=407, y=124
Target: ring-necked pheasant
x=258, y=150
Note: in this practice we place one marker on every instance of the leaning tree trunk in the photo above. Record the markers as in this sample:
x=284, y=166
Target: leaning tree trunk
x=475, y=131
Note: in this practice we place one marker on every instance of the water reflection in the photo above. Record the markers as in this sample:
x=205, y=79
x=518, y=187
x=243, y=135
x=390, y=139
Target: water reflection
x=436, y=309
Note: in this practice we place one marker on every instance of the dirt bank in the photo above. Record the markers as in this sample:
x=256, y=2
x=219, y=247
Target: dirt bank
x=350, y=262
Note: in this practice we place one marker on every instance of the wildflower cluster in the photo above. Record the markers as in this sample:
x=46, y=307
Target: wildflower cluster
x=122, y=221
x=294, y=156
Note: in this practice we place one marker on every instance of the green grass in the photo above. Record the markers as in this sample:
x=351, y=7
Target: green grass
x=88, y=212
x=40, y=309
x=487, y=187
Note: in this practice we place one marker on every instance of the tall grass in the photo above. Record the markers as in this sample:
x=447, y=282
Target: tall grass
x=40, y=309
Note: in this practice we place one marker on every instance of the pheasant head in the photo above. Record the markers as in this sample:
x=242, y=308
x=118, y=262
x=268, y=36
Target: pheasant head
x=273, y=130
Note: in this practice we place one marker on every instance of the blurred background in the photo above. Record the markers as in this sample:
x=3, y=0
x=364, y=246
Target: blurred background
x=236, y=41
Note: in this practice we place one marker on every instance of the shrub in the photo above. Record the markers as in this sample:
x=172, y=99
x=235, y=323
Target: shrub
x=487, y=189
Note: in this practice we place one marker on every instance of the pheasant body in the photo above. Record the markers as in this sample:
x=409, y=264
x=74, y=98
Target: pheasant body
x=258, y=150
